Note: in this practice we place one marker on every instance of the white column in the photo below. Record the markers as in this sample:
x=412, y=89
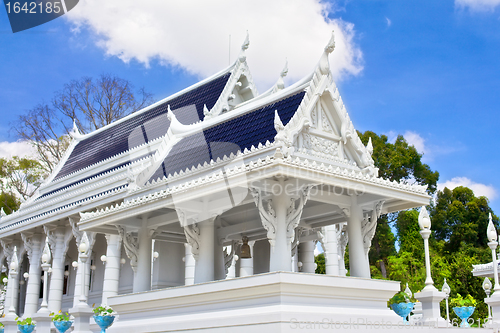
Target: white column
x=34, y=246
x=190, y=264
x=246, y=265
x=331, y=250
x=204, y=270
x=57, y=242
x=281, y=256
x=306, y=256
x=357, y=258
x=112, y=267
x=142, y=276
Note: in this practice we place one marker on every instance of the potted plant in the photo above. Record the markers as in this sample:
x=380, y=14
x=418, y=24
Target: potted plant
x=26, y=325
x=463, y=308
x=61, y=321
x=402, y=304
x=1, y=327
x=104, y=316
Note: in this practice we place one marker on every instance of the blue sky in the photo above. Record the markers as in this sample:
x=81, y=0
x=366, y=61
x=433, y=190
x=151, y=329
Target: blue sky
x=429, y=69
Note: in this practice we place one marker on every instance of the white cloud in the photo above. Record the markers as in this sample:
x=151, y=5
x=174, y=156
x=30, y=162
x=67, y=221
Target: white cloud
x=414, y=139
x=18, y=148
x=389, y=23
x=479, y=189
x=477, y=5
x=194, y=35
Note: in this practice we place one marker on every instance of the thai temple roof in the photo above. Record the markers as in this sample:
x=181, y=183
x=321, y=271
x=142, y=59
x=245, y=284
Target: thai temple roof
x=214, y=120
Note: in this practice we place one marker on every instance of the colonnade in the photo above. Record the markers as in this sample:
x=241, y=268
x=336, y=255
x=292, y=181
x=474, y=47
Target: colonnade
x=203, y=255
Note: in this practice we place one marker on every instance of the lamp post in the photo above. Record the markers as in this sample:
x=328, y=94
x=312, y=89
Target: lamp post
x=446, y=289
x=82, y=311
x=14, y=265
x=46, y=257
x=82, y=248
x=492, y=237
x=424, y=222
x=487, y=290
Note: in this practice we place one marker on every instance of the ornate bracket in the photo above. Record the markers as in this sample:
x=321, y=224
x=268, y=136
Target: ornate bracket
x=191, y=231
x=131, y=245
x=78, y=235
x=369, y=225
x=267, y=214
x=8, y=250
x=294, y=211
x=228, y=256
x=343, y=238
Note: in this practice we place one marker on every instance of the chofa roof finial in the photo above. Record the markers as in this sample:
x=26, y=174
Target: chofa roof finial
x=324, y=65
x=242, y=57
x=75, y=132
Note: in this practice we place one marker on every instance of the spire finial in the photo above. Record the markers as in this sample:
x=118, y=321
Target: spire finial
x=2, y=212
x=284, y=72
x=242, y=57
x=246, y=43
x=369, y=146
x=324, y=66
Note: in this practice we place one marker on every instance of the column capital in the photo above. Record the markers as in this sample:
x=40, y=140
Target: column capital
x=294, y=210
x=33, y=243
x=58, y=235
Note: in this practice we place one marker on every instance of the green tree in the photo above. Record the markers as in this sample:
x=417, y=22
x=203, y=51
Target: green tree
x=8, y=202
x=460, y=218
x=320, y=263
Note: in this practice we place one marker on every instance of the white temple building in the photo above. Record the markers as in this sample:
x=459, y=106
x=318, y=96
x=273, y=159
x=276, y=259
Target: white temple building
x=170, y=195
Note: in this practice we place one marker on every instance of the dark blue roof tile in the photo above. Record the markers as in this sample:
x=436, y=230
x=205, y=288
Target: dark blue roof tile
x=144, y=127
x=223, y=139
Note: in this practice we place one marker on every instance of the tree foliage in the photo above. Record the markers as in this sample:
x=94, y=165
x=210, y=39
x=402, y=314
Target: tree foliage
x=397, y=161
x=89, y=103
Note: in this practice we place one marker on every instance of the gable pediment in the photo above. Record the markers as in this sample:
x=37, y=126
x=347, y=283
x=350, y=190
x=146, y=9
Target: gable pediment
x=331, y=134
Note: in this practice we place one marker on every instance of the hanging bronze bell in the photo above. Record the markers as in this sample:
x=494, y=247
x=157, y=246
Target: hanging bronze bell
x=245, y=249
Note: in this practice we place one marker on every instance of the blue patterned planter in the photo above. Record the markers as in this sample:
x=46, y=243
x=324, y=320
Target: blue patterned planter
x=464, y=312
x=26, y=328
x=63, y=326
x=403, y=309
x=104, y=322
x=1, y=329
